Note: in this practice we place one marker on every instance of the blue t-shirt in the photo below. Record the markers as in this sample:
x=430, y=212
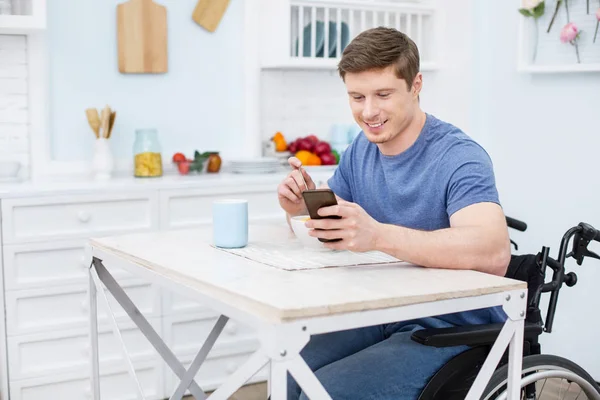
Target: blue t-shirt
x=442, y=172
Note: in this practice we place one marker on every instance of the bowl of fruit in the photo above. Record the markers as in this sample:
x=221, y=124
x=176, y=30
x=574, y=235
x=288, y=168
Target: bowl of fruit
x=310, y=150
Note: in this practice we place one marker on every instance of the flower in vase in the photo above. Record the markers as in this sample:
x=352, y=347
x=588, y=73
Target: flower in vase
x=569, y=34
x=533, y=9
x=597, y=23
x=530, y=4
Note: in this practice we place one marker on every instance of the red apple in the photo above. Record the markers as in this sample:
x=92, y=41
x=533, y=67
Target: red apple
x=322, y=148
x=313, y=139
x=293, y=147
x=305, y=144
x=327, y=159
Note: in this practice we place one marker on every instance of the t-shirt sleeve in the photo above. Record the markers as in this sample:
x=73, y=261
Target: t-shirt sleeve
x=471, y=177
x=341, y=180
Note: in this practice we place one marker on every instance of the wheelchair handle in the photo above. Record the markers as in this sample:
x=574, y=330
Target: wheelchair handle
x=582, y=235
x=516, y=224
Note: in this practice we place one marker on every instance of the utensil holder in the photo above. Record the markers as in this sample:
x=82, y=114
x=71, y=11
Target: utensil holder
x=102, y=162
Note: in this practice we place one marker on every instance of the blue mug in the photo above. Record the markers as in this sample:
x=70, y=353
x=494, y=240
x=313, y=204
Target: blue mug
x=230, y=223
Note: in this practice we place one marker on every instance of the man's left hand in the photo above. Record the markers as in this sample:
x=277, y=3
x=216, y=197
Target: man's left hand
x=357, y=229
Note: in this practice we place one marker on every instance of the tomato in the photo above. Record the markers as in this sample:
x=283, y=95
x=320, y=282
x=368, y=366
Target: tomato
x=183, y=167
x=178, y=157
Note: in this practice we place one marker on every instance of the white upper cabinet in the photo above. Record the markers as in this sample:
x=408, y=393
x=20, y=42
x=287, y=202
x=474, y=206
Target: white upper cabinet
x=314, y=33
x=21, y=17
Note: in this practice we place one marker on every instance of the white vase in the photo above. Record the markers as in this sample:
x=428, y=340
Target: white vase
x=103, y=162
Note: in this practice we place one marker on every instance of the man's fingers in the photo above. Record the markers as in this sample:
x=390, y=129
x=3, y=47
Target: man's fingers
x=299, y=180
x=309, y=182
x=327, y=234
x=291, y=183
x=341, y=210
x=294, y=162
x=287, y=193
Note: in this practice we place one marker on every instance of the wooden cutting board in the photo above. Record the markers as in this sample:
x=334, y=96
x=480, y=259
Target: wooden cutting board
x=208, y=13
x=142, y=37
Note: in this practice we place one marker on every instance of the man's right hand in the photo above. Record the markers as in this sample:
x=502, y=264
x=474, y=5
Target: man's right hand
x=289, y=191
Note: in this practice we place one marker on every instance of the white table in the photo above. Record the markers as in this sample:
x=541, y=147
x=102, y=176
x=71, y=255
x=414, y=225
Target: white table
x=286, y=307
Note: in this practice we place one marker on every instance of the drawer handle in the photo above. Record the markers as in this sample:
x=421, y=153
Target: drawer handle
x=83, y=216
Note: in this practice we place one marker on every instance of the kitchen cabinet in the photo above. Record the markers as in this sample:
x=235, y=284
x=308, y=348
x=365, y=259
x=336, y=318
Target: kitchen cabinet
x=43, y=234
x=21, y=17
x=312, y=34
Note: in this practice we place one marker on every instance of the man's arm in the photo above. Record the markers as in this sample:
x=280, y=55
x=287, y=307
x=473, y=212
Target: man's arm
x=477, y=239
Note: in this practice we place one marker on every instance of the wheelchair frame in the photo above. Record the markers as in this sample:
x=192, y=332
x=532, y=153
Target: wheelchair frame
x=454, y=379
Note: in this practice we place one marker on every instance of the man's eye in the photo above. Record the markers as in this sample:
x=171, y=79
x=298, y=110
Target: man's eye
x=384, y=95
x=357, y=97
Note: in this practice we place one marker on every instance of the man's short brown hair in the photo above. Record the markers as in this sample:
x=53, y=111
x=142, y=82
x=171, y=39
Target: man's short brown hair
x=379, y=48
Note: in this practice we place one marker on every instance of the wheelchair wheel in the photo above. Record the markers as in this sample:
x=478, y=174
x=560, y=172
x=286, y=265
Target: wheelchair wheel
x=546, y=377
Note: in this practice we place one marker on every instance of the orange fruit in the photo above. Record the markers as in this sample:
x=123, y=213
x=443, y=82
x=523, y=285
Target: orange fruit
x=280, y=144
x=277, y=136
x=314, y=159
x=304, y=156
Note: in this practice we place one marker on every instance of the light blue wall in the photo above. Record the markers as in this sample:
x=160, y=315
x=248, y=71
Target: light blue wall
x=543, y=133
x=196, y=105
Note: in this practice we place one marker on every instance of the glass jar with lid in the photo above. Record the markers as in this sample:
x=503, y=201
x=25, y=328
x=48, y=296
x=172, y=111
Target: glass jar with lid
x=147, y=154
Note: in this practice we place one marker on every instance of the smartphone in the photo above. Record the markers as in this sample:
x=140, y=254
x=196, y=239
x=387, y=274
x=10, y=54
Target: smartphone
x=317, y=198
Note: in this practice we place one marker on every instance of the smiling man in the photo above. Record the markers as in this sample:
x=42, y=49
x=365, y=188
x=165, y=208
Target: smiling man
x=409, y=185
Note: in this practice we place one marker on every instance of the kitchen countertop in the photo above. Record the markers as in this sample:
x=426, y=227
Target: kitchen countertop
x=57, y=185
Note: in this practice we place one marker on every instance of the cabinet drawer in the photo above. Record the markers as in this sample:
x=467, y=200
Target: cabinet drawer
x=182, y=209
x=47, y=264
x=115, y=384
x=43, y=218
x=58, y=352
x=67, y=307
x=186, y=334
x=175, y=304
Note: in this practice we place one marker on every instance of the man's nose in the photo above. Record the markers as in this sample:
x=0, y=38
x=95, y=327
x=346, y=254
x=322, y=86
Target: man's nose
x=370, y=111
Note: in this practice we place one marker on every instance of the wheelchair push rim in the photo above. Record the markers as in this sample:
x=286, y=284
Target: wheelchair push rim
x=544, y=371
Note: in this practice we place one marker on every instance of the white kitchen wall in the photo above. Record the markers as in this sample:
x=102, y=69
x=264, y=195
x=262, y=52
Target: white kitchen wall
x=544, y=136
x=14, y=131
x=197, y=104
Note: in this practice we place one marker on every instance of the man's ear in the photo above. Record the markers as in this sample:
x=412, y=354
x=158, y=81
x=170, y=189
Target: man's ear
x=417, y=85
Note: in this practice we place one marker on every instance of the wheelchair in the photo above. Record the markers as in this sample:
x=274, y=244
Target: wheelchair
x=544, y=376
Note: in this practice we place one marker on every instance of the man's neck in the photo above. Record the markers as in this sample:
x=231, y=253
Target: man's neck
x=406, y=138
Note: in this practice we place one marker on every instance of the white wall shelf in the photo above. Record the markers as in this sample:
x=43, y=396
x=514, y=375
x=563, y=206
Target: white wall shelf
x=294, y=35
x=550, y=55
x=27, y=16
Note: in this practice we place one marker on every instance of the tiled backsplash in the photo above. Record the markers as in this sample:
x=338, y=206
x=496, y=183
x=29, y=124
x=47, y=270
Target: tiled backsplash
x=14, y=120
x=302, y=102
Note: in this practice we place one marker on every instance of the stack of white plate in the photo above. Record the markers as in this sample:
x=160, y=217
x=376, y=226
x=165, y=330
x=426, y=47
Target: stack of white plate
x=262, y=165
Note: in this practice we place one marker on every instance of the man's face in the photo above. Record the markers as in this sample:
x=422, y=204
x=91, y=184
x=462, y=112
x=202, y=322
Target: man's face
x=381, y=103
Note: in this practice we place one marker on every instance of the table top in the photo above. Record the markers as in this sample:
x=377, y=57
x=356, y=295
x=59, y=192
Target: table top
x=187, y=257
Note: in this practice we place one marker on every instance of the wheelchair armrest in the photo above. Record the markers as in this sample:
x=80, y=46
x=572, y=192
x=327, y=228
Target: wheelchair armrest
x=470, y=335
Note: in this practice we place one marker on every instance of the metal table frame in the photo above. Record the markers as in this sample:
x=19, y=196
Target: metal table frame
x=281, y=342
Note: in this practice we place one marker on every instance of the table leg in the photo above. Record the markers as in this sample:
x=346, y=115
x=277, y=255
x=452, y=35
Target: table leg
x=136, y=316
x=254, y=364
x=515, y=361
x=199, y=359
x=278, y=380
x=94, y=360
